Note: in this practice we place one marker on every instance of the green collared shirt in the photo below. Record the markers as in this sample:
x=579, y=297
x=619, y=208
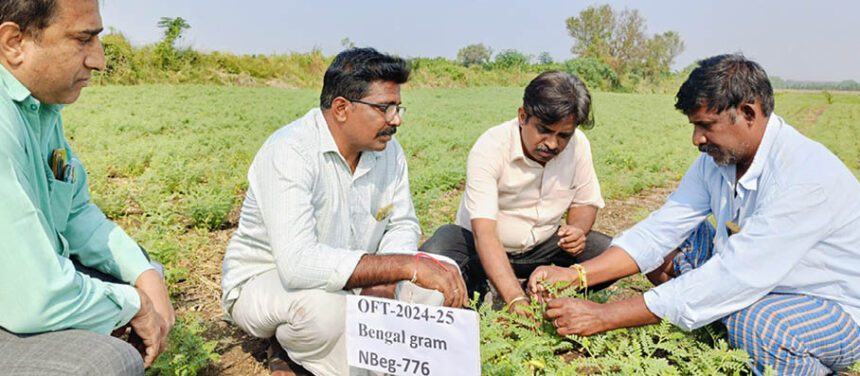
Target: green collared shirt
x=44, y=220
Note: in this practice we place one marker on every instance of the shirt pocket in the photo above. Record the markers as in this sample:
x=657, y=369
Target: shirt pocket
x=61, y=203
x=561, y=197
x=376, y=232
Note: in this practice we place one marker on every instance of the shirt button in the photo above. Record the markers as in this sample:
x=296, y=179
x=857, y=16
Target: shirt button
x=34, y=107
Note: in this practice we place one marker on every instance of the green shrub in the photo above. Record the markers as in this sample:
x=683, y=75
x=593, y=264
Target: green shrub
x=188, y=352
x=596, y=74
x=508, y=59
x=207, y=207
x=510, y=345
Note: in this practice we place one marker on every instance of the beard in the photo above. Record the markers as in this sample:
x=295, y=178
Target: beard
x=722, y=157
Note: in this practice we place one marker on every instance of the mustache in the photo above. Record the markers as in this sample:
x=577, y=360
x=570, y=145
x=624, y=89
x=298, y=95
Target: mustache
x=707, y=148
x=544, y=149
x=387, y=131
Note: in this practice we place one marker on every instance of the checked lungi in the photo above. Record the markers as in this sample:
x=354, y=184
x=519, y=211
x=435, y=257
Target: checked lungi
x=790, y=333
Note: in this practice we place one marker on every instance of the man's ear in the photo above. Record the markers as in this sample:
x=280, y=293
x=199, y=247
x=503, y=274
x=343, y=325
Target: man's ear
x=339, y=108
x=749, y=112
x=11, y=43
x=521, y=115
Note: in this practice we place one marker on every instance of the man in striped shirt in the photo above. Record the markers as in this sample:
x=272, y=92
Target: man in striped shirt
x=328, y=213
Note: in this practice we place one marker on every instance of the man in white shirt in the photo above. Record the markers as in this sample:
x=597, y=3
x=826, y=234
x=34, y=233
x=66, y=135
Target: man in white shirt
x=522, y=177
x=781, y=268
x=327, y=213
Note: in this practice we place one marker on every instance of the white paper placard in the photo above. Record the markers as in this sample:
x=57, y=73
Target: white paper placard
x=408, y=339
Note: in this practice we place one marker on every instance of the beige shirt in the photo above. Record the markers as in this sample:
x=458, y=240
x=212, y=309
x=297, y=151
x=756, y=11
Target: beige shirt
x=526, y=200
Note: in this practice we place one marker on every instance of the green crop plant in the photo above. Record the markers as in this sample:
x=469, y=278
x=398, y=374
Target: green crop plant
x=169, y=163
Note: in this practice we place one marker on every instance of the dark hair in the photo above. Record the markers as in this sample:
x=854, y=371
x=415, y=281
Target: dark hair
x=554, y=95
x=353, y=70
x=723, y=82
x=31, y=16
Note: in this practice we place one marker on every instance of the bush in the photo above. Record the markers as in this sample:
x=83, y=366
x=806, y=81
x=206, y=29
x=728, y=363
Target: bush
x=596, y=74
x=510, y=345
x=119, y=56
x=188, y=352
x=508, y=59
x=474, y=54
x=208, y=207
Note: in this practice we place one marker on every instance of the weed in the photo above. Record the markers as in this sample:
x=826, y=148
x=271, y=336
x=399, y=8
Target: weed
x=188, y=352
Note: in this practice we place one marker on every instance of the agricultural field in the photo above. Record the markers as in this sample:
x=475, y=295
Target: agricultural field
x=169, y=164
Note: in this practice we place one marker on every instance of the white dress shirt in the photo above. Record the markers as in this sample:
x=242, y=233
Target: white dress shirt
x=798, y=208
x=309, y=216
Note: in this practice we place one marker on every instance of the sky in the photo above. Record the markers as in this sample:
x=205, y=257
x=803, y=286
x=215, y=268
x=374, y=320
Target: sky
x=794, y=39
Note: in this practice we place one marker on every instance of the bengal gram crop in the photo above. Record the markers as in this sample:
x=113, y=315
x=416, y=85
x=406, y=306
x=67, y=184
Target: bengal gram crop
x=169, y=163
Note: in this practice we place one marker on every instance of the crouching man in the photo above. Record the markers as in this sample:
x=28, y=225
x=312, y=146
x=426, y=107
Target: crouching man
x=328, y=213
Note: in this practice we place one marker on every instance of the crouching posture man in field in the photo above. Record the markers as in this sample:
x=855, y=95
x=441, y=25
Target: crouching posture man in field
x=68, y=275
x=522, y=177
x=328, y=212
x=781, y=268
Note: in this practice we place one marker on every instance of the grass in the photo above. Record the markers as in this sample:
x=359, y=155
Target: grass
x=169, y=163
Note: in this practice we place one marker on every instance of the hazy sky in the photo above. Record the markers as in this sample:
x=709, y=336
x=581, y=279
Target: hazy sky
x=793, y=39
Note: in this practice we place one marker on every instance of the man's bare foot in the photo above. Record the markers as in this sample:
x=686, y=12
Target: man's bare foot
x=280, y=364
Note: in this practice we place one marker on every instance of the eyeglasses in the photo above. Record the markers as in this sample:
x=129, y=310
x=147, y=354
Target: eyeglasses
x=388, y=109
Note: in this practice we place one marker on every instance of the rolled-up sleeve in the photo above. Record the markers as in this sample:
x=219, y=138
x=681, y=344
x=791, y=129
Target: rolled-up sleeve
x=779, y=234
x=283, y=181
x=651, y=240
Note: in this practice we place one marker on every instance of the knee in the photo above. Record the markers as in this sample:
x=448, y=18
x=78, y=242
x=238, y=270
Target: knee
x=448, y=239
x=318, y=318
x=598, y=241
x=764, y=333
x=595, y=244
x=106, y=355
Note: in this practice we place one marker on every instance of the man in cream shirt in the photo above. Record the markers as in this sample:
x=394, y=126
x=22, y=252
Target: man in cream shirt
x=522, y=177
x=328, y=212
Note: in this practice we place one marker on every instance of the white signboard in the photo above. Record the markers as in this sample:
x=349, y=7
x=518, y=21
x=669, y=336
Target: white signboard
x=402, y=338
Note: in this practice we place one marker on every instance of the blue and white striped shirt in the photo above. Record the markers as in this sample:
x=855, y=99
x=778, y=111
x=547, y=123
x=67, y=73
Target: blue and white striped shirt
x=798, y=208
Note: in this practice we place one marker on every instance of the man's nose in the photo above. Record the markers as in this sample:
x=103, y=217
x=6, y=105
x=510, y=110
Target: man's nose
x=551, y=143
x=699, y=137
x=96, y=58
x=396, y=120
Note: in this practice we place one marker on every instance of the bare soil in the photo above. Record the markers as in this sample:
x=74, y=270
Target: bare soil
x=245, y=355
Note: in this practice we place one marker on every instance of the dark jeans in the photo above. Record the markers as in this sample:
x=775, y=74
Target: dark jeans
x=459, y=244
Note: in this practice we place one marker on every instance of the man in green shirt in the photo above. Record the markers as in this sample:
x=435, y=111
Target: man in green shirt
x=54, y=318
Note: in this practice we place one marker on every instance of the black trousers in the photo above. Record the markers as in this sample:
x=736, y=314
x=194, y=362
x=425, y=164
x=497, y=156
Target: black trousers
x=459, y=244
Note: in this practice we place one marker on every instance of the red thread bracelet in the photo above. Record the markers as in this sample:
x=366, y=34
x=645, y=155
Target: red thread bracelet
x=418, y=257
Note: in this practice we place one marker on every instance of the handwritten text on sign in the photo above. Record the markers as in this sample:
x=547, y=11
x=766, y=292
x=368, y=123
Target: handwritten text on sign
x=401, y=338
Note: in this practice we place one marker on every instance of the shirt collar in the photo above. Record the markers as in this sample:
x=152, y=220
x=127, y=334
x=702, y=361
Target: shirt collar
x=16, y=90
x=20, y=94
x=517, y=153
x=327, y=143
x=750, y=178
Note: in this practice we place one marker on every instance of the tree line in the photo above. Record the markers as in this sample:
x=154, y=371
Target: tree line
x=612, y=50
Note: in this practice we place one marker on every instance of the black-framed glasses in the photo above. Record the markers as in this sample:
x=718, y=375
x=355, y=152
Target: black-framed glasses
x=388, y=109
